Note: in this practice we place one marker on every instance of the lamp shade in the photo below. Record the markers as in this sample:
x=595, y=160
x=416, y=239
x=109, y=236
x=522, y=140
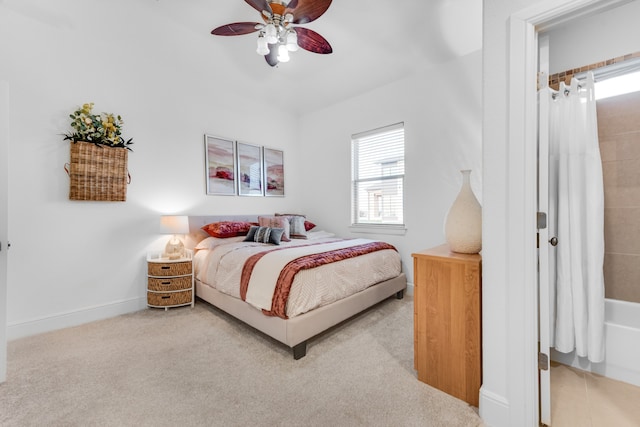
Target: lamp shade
x=283, y=53
x=174, y=224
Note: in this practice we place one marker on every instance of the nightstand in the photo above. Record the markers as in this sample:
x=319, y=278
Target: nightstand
x=169, y=281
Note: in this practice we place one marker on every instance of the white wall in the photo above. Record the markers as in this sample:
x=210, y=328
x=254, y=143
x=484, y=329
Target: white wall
x=76, y=261
x=441, y=110
x=73, y=261
x=595, y=38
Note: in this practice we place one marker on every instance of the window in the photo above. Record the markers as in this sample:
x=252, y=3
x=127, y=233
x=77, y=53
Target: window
x=377, y=176
x=620, y=85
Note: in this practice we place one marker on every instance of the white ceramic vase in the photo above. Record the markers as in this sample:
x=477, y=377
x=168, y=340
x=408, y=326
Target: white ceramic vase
x=463, y=227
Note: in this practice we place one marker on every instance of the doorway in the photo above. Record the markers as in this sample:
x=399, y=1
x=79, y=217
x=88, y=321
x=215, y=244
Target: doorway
x=575, y=44
x=524, y=27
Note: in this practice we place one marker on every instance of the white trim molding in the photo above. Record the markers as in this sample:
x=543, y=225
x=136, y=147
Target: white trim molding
x=4, y=223
x=521, y=208
x=398, y=230
x=68, y=319
x=493, y=406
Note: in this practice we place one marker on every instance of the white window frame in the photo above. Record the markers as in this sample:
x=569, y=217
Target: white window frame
x=381, y=227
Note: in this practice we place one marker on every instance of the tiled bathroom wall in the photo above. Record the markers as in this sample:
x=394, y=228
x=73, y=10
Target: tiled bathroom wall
x=565, y=76
x=619, y=134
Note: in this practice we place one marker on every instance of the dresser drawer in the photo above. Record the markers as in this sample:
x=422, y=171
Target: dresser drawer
x=161, y=284
x=169, y=268
x=162, y=299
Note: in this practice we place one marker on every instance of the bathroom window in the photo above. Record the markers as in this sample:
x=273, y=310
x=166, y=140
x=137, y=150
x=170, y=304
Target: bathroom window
x=377, y=178
x=620, y=85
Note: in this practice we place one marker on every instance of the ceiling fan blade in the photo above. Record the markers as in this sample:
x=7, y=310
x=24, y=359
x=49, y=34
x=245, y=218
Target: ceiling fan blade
x=260, y=5
x=272, y=56
x=304, y=11
x=236, y=29
x=312, y=41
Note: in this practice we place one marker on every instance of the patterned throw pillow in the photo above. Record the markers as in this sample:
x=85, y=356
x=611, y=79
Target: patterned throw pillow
x=224, y=229
x=276, y=222
x=298, y=225
x=264, y=235
x=297, y=230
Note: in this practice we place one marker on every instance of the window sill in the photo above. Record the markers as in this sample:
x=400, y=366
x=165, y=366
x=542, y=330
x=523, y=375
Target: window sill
x=398, y=230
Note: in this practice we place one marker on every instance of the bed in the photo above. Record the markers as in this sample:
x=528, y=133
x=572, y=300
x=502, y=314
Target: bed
x=288, y=291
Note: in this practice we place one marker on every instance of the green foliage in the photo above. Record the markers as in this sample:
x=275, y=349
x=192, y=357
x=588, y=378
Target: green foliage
x=100, y=129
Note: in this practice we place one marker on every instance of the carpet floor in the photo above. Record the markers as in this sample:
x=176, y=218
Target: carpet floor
x=201, y=367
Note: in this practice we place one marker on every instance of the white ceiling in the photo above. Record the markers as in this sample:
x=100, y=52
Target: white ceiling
x=374, y=42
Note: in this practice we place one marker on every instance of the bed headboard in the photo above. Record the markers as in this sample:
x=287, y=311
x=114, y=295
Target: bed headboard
x=196, y=222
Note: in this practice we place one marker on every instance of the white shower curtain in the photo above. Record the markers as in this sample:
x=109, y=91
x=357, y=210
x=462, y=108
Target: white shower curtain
x=576, y=217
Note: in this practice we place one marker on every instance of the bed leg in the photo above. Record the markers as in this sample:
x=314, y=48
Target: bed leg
x=400, y=294
x=300, y=350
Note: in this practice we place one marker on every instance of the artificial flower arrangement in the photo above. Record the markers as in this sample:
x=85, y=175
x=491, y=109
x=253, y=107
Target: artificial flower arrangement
x=100, y=129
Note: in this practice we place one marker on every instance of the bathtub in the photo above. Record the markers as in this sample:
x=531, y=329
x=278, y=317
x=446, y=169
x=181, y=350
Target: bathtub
x=622, y=348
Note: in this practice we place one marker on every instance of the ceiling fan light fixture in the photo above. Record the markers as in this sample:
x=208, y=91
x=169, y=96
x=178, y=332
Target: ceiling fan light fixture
x=263, y=48
x=277, y=35
x=292, y=41
x=283, y=53
x=271, y=33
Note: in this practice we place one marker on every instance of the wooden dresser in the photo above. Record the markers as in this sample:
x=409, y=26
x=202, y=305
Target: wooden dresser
x=447, y=321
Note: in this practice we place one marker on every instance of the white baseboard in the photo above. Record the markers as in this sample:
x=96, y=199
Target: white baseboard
x=494, y=409
x=74, y=318
x=410, y=288
x=41, y=325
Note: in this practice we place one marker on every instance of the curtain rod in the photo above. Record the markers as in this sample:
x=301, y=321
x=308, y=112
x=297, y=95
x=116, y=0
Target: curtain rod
x=612, y=70
x=606, y=72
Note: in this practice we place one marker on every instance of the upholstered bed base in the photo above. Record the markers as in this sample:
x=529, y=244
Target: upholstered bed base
x=295, y=332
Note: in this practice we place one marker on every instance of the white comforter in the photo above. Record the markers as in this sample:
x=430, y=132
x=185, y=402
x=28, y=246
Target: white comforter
x=221, y=268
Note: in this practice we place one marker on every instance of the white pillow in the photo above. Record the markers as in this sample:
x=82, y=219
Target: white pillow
x=212, y=242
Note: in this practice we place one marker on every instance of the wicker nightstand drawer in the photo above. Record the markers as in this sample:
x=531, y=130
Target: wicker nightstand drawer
x=169, y=268
x=169, y=283
x=163, y=299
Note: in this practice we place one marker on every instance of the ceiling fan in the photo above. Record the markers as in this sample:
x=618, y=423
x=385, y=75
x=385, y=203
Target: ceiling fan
x=277, y=35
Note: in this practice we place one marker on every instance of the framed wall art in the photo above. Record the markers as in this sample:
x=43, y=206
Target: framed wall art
x=249, y=161
x=273, y=172
x=220, y=162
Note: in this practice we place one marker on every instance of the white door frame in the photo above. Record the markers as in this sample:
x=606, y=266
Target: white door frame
x=544, y=249
x=4, y=222
x=521, y=198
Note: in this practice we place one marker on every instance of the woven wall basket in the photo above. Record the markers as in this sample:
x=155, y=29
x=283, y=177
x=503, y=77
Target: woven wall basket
x=98, y=173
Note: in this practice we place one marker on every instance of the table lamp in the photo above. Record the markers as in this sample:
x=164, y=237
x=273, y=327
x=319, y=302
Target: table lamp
x=175, y=225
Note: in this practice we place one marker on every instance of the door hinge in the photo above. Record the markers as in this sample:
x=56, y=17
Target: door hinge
x=542, y=220
x=542, y=80
x=543, y=362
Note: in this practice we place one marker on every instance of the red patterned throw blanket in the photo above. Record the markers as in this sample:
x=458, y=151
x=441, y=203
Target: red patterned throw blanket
x=286, y=275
